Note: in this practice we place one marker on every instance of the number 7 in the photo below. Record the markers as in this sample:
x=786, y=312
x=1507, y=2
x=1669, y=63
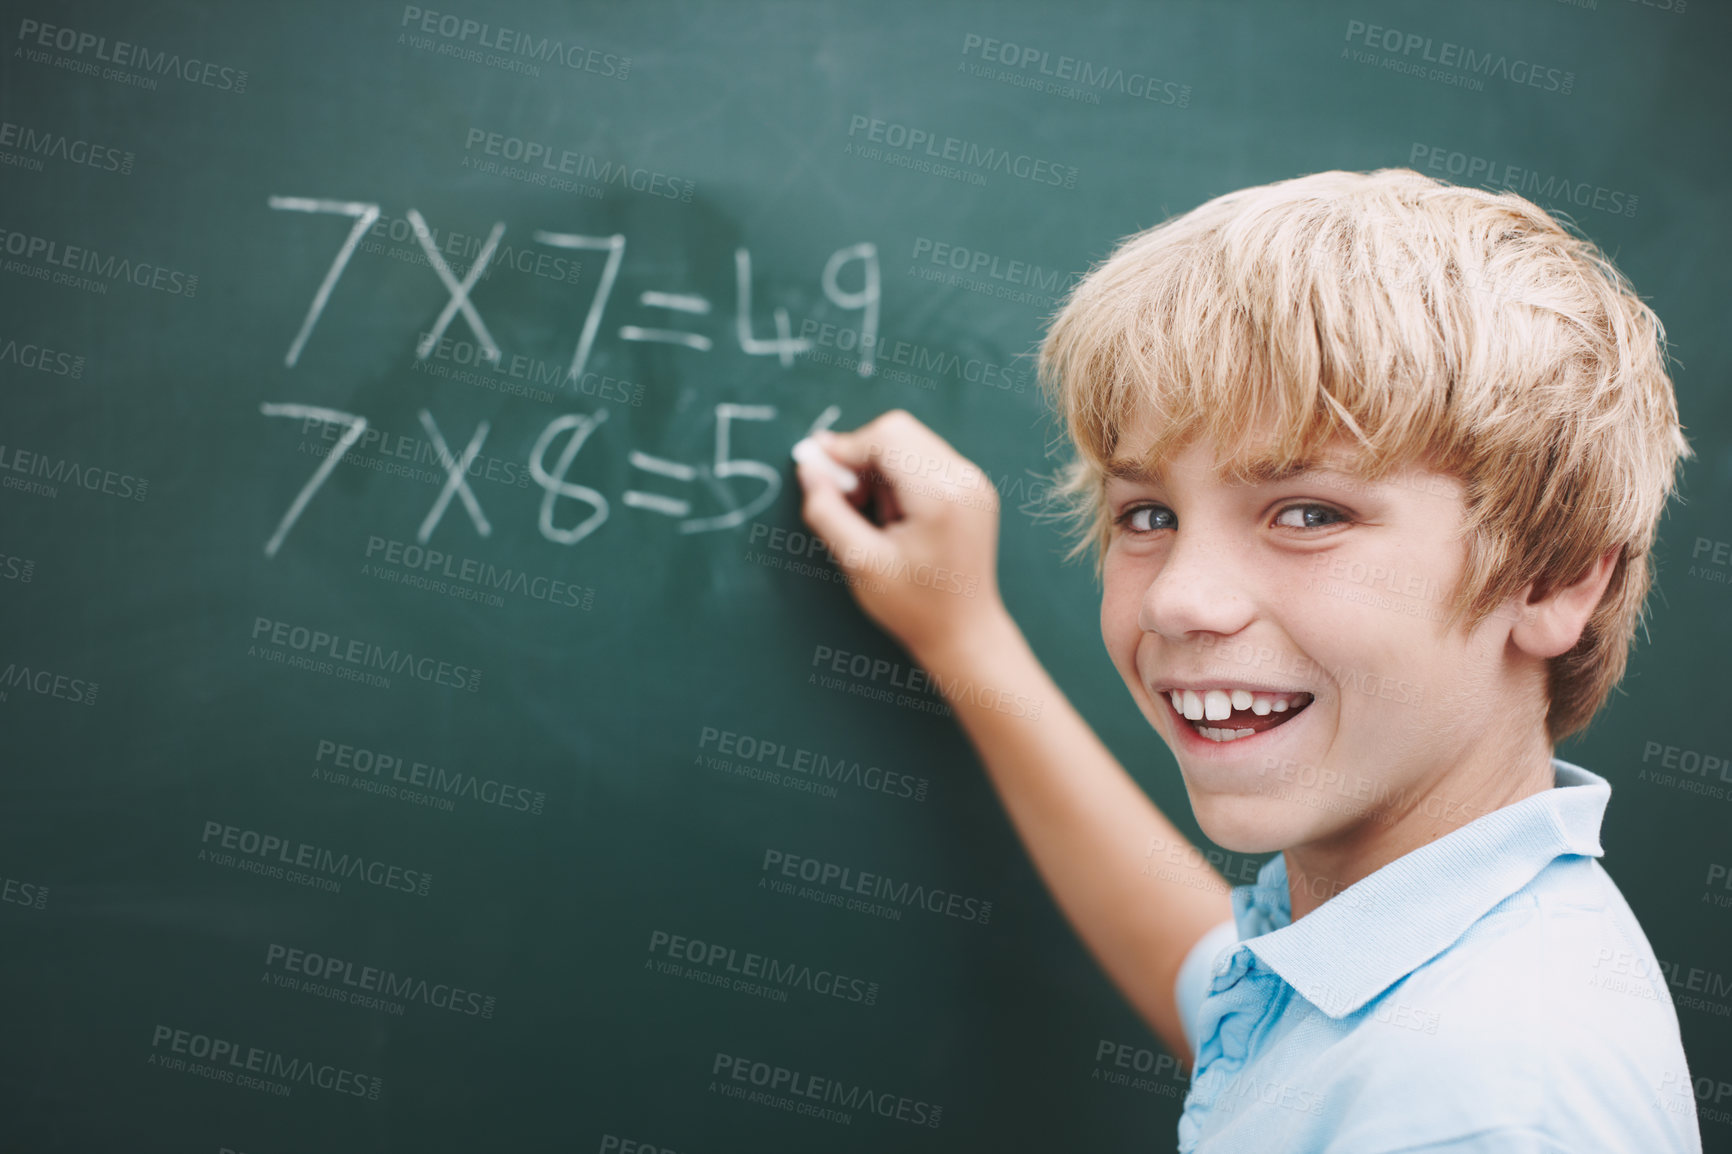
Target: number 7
x=357, y=426
x=365, y=215
x=614, y=246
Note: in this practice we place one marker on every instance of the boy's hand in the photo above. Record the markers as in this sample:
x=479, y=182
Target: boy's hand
x=927, y=572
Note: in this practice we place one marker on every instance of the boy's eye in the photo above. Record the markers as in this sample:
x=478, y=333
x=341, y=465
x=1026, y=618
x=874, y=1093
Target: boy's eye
x=1152, y=518
x=1145, y=518
x=1304, y=522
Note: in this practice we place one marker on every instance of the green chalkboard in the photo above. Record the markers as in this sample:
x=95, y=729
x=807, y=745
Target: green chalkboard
x=346, y=807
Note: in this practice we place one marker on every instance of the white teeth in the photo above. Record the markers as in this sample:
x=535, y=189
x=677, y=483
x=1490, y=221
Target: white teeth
x=1219, y=704
x=1214, y=734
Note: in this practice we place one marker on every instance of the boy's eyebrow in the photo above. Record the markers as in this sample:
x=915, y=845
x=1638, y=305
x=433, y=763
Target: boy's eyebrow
x=1126, y=470
x=1260, y=473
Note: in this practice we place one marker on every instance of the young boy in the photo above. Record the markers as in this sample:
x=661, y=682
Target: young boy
x=1372, y=467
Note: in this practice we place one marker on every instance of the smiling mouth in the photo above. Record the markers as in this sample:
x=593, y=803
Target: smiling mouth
x=1223, y=716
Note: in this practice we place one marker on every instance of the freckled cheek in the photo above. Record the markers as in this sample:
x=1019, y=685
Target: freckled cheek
x=1120, y=605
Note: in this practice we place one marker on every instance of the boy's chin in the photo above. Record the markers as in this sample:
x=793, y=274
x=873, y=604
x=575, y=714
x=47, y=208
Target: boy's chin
x=1249, y=825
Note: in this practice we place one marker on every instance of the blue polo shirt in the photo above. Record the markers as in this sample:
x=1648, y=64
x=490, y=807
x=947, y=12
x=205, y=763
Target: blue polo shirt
x=1489, y=992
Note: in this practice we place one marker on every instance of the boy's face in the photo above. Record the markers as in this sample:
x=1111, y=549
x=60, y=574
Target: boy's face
x=1323, y=593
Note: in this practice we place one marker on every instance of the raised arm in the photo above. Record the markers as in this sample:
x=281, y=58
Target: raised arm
x=1085, y=823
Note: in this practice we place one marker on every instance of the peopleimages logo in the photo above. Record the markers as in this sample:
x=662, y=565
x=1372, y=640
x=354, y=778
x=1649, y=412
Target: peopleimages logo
x=354, y=651
x=781, y=755
x=36, y=144
x=1455, y=62
x=833, y=876
x=56, y=471
x=229, y=1061
x=723, y=960
x=535, y=154
x=796, y=1084
x=352, y=982
x=527, y=46
x=1086, y=76
x=892, y=134
x=122, y=54
x=1497, y=175
x=47, y=683
x=28, y=355
x=482, y=575
x=260, y=848
x=47, y=252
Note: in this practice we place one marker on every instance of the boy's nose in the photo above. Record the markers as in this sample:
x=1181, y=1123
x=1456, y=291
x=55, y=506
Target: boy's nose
x=1199, y=589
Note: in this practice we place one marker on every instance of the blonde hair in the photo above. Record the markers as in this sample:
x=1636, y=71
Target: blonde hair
x=1464, y=330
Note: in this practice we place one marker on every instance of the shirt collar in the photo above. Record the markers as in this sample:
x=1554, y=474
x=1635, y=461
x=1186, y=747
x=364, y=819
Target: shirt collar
x=1377, y=931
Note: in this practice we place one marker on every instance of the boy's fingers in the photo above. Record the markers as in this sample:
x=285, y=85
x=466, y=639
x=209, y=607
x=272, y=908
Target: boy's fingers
x=829, y=513
x=896, y=430
x=902, y=454
x=854, y=449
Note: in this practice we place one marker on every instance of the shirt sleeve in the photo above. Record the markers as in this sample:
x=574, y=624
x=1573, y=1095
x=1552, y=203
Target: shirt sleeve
x=1195, y=973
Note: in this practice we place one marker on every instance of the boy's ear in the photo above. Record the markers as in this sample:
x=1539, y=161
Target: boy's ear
x=1550, y=626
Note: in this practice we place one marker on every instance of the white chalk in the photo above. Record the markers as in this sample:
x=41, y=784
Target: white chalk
x=809, y=452
x=365, y=215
